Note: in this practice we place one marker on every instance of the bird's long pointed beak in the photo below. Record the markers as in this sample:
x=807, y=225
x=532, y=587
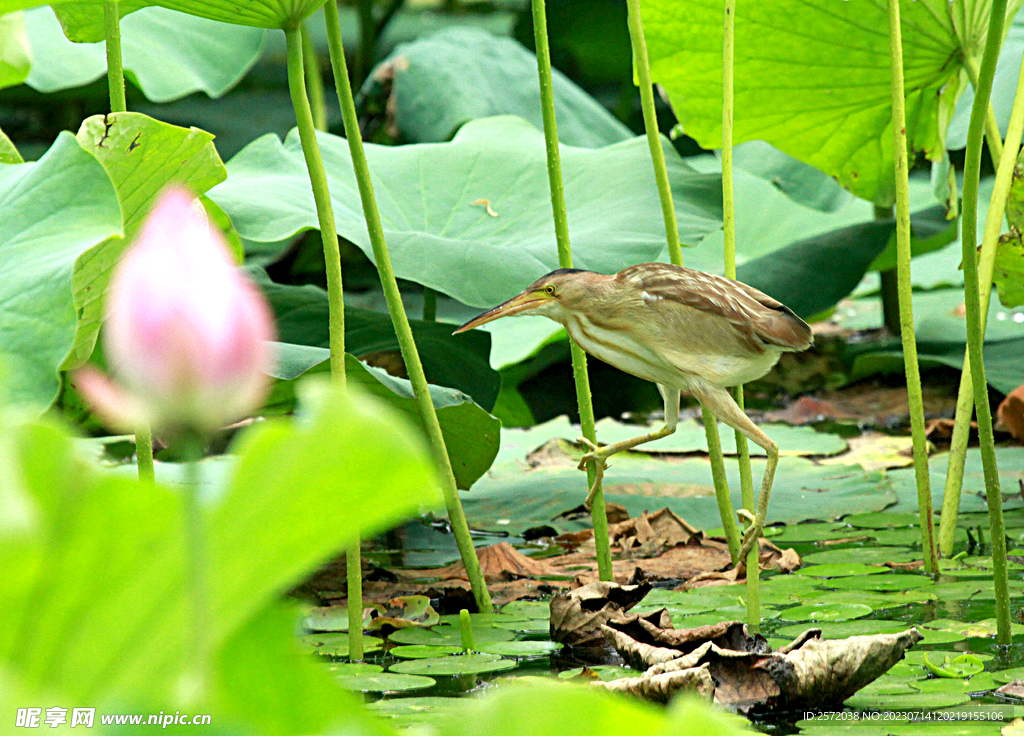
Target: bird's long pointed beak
x=515, y=305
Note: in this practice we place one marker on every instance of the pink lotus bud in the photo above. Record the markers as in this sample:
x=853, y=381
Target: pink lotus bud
x=186, y=333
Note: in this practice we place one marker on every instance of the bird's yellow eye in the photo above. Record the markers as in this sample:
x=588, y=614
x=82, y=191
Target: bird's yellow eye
x=549, y=289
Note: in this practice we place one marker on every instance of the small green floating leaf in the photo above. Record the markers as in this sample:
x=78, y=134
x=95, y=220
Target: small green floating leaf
x=842, y=629
x=607, y=672
x=814, y=532
x=414, y=706
x=916, y=656
x=983, y=682
x=527, y=626
x=826, y=612
x=422, y=651
x=885, y=583
x=449, y=636
x=965, y=665
x=864, y=555
x=479, y=619
x=521, y=648
x=934, y=637
x=335, y=644
x=456, y=664
x=882, y=520
x=1004, y=676
x=527, y=609
x=917, y=701
x=840, y=570
x=385, y=681
x=354, y=668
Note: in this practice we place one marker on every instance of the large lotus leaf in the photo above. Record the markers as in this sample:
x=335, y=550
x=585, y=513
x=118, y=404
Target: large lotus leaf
x=83, y=19
x=798, y=181
x=448, y=360
x=816, y=84
x=470, y=433
x=166, y=54
x=55, y=212
x=438, y=236
x=14, y=50
x=8, y=152
x=441, y=81
x=513, y=498
x=1004, y=87
x=141, y=156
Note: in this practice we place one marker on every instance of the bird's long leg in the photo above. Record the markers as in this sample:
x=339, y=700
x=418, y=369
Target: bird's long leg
x=600, y=454
x=720, y=402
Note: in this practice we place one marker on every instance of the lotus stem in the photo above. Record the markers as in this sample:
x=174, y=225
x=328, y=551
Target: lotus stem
x=668, y=210
x=598, y=508
x=144, y=451
x=972, y=304
x=399, y=319
x=115, y=71
x=986, y=266
x=192, y=450
x=729, y=229
x=335, y=292
x=314, y=82
x=903, y=255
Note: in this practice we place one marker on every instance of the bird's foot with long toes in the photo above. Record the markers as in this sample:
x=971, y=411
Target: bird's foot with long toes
x=753, y=533
x=600, y=465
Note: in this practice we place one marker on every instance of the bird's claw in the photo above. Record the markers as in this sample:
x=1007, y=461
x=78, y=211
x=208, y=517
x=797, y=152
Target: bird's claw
x=599, y=465
x=751, y=536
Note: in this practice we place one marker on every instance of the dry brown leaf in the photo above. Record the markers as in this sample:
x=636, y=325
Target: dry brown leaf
x=1013, y=689
x=576, y=616
x=1011, y=413
x=661, y=688
x=499, y=563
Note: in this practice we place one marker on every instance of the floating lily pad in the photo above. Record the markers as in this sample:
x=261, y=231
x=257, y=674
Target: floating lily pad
x=1004, y=676
x=881, y=583
x=917, y=701
x=481, y=619
x=843, y=629
x=331, y=618
x=385, y=681
x=422, y=651
x=864, y=555
x=961, y=666
x=527, y=609
x=974, y=629
x=986, y=562
x=354, y=668
x=941, y=685
x=826, y=612
x=934, y=636
x=521, y=648
x=904, y=536
x=983, y=682
x=415, y=706
x=458, y=664
x=840, y=570
x=533, y=625
x=882, y=520
x=335, y=644
x=606, y=672
x=813, y=532
x=449, y=636
x=916, y=656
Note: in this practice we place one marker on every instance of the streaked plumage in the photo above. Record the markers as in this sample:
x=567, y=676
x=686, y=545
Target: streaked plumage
x=685, y=330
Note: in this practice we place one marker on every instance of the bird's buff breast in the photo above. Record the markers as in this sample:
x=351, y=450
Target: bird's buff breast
x=618, y=349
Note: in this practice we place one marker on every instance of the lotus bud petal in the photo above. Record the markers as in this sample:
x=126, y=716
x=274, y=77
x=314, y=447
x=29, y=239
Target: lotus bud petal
x=187, y=335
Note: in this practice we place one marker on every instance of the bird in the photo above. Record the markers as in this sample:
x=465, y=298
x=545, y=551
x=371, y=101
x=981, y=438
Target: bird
x=682, y=329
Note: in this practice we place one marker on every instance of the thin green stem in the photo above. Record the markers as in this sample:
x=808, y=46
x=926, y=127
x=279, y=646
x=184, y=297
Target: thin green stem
x=367, y=39
x=429, y=304
x=354, y=577
x=993, y=138
x=115, y=72
x=393, y=296
x=192, y=452
x=643, y=69
x=324, y=208
x=598, y=508
x=972, y=305
x=729, y=229
x=718, y=476
x=986, y=266
x=914, y=395
x=144, y=451
x=314, y=81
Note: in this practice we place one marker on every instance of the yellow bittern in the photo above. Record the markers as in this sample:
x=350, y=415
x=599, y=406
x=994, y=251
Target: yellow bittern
x=684, y=330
